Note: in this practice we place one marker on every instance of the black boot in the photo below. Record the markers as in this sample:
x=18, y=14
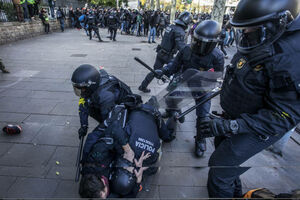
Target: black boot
x=200, y=143
x=145, y=90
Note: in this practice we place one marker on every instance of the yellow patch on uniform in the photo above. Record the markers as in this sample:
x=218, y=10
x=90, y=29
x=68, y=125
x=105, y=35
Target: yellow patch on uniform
x=240, y=64
x=258, y=68
x=81, y=101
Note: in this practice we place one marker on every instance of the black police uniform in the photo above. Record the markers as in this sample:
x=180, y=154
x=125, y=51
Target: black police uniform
x=172, y=41
x=264, y=97
x=92, y=22
x=144, y=129
x=185, y=60
x=110, y=92
x=113, y=23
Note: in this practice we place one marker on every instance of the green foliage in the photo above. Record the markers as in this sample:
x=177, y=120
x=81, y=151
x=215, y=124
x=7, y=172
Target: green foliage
x=9, y=11
x=110, y=3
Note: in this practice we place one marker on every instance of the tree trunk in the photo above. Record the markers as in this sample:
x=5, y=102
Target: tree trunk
x=152, y=4
x=218, y=10
x=173, y=11
x=157, y=4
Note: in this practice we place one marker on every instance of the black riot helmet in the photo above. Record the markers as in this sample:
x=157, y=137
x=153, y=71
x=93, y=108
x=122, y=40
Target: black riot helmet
x=184, y=19
x=205, y=38
x=259, y=23
x=122, y=180
x=85, y=80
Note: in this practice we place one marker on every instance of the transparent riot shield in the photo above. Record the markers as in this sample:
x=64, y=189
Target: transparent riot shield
x=184, y=89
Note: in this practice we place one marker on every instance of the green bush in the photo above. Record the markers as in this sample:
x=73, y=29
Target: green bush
x=9, y=10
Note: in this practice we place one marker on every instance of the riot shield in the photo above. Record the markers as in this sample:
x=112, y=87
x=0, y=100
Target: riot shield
x=185, y=88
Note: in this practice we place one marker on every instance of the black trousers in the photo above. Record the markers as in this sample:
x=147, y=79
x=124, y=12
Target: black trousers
x=223, y=177
x=160, y=61
x=113, y=33
x=95, y=29
x=47, y=28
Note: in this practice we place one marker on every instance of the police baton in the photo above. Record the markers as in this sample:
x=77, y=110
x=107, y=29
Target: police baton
x=78, y=159
x=163, y=78
x=203, y=101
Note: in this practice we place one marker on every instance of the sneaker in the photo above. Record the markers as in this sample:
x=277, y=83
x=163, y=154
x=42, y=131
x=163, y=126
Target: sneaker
x=145, y=90
x=153, y=42
x=149, y=42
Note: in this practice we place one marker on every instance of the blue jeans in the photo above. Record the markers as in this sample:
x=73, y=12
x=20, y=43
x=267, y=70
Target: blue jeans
x=62, y=24
x=25, y=11
x=52, y=11
x=152, y=33
x=203, y=110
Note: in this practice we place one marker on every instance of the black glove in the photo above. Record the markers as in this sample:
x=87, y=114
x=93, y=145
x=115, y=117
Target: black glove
x=159, y=73
x=82, y=131
x=218, y=127
x=119, y=134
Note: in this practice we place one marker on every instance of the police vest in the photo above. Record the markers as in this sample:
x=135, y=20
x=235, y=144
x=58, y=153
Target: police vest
x=243, y=88
x=143, y=131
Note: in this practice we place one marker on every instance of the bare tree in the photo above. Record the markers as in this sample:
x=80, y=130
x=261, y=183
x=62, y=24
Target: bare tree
x=173, y=11
x=218, y=10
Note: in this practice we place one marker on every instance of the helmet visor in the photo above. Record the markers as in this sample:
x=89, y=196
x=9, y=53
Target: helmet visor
x=250, y=37
x=77, y=91
x=201, y=47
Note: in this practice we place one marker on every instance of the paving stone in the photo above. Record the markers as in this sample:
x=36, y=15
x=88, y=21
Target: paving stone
x=149, y=192
x=58, y=135
x=66, y=156
x=15, y=93
x=58, y=120
x=27, y=155
x=67, y=189
x=32, y=171
x=29, y=131
x=269, y=177
x=12, y=117
x=181, y=192
x=6, y=182
x=67, y=96
x=175, y=159
x=32, y=188
x=22, y=105
x=4, y=147
x=180, y=176
x=66, y=108
x=64, y=173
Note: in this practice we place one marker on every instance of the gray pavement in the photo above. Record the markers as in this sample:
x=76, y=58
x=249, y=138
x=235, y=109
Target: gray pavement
x=38, y=95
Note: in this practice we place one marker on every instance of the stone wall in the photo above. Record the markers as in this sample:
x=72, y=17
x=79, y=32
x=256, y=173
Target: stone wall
x=12, y=31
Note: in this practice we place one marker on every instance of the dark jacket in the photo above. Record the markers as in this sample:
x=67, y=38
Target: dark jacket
x=264, y=96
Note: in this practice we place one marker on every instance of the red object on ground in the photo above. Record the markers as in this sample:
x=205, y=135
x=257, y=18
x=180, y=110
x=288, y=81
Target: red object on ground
x=12, y=129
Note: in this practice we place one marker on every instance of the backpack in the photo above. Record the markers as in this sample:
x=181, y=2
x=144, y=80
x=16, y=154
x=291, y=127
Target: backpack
x=58, y=14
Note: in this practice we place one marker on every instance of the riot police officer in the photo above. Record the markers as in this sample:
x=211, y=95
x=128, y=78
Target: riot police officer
x=172, y=41
x=201, y=55
x=114, y=145
x=113, y=23
x=260, y=93
x=92, y=23
x=99, y=92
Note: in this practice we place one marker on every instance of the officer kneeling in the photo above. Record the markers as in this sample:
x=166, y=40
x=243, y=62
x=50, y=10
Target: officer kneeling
x=260, y=93
x=122, y=148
